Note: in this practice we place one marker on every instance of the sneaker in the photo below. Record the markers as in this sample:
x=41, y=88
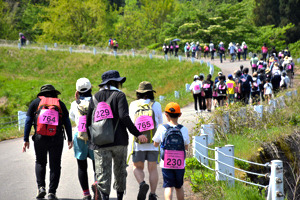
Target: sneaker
x=41, y=193
x=88, y=197
x=152, y=196
x=52, y=196
x=97, y=195
x=144, y=187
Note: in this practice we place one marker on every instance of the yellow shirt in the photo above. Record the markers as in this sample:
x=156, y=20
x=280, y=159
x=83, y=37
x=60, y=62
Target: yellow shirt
x=230, y=86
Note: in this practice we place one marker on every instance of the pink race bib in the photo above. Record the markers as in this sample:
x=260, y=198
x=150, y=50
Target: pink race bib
x=206, y=86
x=48, y=116
x=103, y=111
x=254, y=65
x=230, y=85
x=144, y=123
x=222, y=87
x=260, y=66
x=174, y=159
x=82, y=123
x=196, y=87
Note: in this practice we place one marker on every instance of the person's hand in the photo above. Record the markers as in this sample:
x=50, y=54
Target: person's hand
x=25, y=145
x=70, y=144
x=76, y=95
x=142, y=139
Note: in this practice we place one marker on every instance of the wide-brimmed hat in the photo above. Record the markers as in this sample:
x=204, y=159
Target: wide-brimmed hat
x=111, y=75
x=83, y=85
x=47, y=88
x=145, y=86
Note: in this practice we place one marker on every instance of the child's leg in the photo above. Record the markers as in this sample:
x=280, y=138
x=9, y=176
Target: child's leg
x=168, y=193
x=180, y=193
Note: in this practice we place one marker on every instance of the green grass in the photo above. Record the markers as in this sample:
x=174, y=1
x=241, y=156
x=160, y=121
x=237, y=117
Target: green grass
x=23, y=72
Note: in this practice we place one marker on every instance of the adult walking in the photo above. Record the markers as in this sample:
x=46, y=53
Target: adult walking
x=176, y=49
x=198, y=51
x=187, y=50
x=111, y=101
x=245, y=50
x=195, y=89
x=239, y=51
x=78, y=113
x=264, y=51
x=50, y=117
x=212, y=50
x=145, y=105
x=253, y=63
x=207, y=88
x=221, y=51
x=244, y=84
x=231, y=50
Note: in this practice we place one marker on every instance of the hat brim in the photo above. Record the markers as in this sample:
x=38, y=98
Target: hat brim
x=144, y=91
x=120, y=79
x=46, y=91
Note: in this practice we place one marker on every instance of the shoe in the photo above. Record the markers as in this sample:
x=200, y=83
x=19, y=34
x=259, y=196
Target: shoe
x=41, y=193
x=52, y=196
x=196, y=112
x=152, y=196
x=97, y=195
x=88, y=197
x=144, y=187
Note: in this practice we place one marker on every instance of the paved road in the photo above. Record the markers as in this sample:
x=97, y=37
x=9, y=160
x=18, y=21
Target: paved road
x=17, y=177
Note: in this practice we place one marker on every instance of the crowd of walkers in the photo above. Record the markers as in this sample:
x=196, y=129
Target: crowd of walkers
x=100, y=135
x=268, y=78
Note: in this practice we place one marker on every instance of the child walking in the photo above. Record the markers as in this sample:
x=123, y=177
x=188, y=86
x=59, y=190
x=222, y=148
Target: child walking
x=172, y=151
x=268, y=90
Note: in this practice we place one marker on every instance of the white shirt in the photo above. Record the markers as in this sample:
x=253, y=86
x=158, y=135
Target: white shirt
x=268, y=87
x=211, y=47
x=158, y=120
x=192, y=87
x=160, y=134
x=258, y=83
x=73, y=113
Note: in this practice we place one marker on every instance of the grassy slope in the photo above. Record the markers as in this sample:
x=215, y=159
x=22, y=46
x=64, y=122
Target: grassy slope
x=22, y=73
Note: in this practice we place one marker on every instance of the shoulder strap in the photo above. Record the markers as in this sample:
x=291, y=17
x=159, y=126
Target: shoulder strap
x=179, y=126
x=167, y=126
x=151, y=103
x=111, y=97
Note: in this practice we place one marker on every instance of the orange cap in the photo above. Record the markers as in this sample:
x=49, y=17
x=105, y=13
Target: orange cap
x=172, y=108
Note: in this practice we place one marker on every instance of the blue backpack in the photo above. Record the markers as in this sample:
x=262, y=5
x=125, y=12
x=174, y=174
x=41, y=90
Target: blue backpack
x=173, y=140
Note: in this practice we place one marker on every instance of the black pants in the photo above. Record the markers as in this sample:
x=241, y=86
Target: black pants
x=205, y=54
x=176, y=51
x=254, y=69
x=245, y=96
x=264, y=56
x=212, y=55
x=239, y=56
x=83, y=174
x=198, y=99
x=53, y=146
x=202, y=103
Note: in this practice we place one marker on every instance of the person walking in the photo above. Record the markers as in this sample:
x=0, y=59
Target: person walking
x=244, y=84
x=187, y=50
x=221, y=90
x=264, y=51
x=231, y=50
x=202, y=96
x=231, y=85
x=50, y=117
x=207, y=87
x=212, y=50
x=78, y=113
x=245, y=50
x=255, y=89
x=253, y=63
x=206, y=50
x=165, y=49
x=193, y=49
x=171, y=48
x=195, y=89
x=198, y=51
x=221, y=51
x=239, y=51
x=111, y=101
x=176, y=49
x=145, y=105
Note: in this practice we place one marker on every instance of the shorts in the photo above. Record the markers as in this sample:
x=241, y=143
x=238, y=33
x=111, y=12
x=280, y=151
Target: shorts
x=173, y=177
x=208, y=95
x=141, y=156
x=81, y=148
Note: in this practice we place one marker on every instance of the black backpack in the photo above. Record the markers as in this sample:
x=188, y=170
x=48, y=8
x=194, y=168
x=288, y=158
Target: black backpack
x=255, y=85
x=245, y=83
x=173, y=140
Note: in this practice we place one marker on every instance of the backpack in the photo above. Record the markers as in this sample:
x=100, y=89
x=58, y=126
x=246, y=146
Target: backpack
x=171, y=47
x=177, y=46
x=102, y=130
x=260, y=65
x=114, y=42
x=222, y=48
x=188, y=47
x=245, y=47
x=206, y=48
x=264, y=49
x=289, y=67
x=254, y=85
x=172, y=148
x=206, y=86
x=48, y=117
x=82, y=107
x=239, y=50
x=283, y=83
x=245, y=83
x=196, y=89
x=144, y=120
x=111, y=42
x=221, y=89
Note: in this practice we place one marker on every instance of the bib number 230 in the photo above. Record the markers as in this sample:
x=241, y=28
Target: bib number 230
x=174, y=159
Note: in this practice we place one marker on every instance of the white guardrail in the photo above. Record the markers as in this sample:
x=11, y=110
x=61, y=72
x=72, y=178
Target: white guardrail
x=224, y=156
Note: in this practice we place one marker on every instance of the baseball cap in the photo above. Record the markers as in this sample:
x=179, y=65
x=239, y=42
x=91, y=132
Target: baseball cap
x=220, y=73
x=172, y=107
x=196, y=76
x=83, y=85
x=230, y=76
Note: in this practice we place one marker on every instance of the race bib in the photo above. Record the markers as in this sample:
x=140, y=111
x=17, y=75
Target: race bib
x=144, y=123
x=221, y=87
x=48, y=116
x=230, y=85
x=174, y=159
x=254, y=65
x=103, y=111
x=82, y=123
x=206, y=86
x=196, y=87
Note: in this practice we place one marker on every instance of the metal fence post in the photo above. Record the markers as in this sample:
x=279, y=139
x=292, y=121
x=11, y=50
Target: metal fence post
x=294, y=92
x=94, y=51
x=281, y=102
x=176, y=93
x=55, y=45
x=192, y=60
x=46, y=48
x=19, y=45
x=150, y=56
x=133, y=54
x=227, y=150
x=180, y=58
x=187, y=87
x=226, y=125
x=166, y=57
x=161, y=99
x=21, y=119
x=275, y=191
x=70, y=49
x=201, y=62
x=209, y=130
x=115, y=53
x=200, y=149
x=259, y=110
x=212, y=70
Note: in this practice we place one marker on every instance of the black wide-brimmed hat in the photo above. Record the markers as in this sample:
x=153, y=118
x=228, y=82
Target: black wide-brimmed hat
x=111, y=75
x=47, y=88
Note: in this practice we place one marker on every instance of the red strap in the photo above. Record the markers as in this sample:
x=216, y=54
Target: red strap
x=49, y=101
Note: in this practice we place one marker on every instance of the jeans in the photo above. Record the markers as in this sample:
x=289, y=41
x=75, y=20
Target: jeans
x=245, y=54
x=221, y=55
x=212, y=54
